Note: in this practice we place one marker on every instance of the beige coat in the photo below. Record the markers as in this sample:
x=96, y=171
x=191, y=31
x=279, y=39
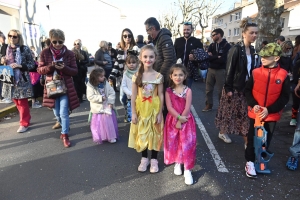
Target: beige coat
x=95, y=98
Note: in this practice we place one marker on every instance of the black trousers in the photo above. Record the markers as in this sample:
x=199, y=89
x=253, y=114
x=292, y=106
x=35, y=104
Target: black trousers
x=250, y=151
x=153, y=154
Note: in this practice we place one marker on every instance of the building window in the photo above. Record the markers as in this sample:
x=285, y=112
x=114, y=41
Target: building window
x=229, y=32
x=282, y=22
x=236, y=31
x=238, y=15
x=220, y=22
x=230, y=18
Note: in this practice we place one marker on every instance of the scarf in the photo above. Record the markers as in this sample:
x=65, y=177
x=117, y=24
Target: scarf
x=57, y=53
x=129, y=73
x=12, y=57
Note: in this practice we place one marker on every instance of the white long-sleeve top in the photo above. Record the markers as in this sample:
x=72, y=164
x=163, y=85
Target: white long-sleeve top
x=127, y=86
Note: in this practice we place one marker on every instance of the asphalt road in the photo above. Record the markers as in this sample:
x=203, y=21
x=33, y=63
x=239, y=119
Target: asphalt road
x=35, y=165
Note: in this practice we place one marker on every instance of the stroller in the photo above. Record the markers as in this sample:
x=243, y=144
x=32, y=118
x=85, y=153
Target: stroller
x=292, y=163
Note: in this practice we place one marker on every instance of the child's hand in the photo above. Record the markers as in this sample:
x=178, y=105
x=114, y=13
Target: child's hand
x=183, y=119
x=159, y=118
x=178, y=125
x=103, y=98
x=264, y=113
x=134, y=118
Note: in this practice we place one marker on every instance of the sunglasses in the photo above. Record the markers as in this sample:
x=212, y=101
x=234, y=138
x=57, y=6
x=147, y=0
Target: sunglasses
x=288, y=48
x=59, y=42
x=76, y=44
x=13, y=36
x=125, y=36
x=213, y=35
x=187, y=23
x=148, y=28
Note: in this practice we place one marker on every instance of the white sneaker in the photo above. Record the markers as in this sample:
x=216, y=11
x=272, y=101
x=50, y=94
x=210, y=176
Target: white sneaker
x=22, y=129
x=154, y=166
x=250, y=170
x=177, y=169
x=225, y=137
x=6, y=101
x=36, y=105
x=293, y=122
x=112, y=141
x=188, y=178
x=143, y=165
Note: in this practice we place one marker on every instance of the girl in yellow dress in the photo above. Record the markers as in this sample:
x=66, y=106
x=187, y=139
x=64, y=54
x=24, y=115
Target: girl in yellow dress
x=146, y=130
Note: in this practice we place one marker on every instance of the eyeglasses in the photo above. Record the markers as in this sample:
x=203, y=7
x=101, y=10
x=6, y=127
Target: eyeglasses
x=13, y=36
x=187, y=23
x=125, y=36
x=76, y=44
x=59, y=42
x=214, y=35
x=148, y=28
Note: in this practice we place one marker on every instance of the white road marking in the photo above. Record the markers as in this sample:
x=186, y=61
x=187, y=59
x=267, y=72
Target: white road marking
x=217, y=159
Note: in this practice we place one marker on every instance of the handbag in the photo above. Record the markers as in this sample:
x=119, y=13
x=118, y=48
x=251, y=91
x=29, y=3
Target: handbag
x=56, y=87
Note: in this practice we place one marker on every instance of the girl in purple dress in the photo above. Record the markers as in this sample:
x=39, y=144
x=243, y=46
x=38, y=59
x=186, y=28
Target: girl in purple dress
x=101, y=96
x=180, y=129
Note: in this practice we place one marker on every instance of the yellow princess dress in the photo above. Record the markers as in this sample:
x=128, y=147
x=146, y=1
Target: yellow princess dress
x=147, y=133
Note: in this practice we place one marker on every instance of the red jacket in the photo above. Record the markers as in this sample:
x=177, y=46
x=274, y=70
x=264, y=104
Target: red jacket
x=266, y=89
x=45, y=68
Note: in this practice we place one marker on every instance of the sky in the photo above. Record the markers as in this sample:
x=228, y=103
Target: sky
x=137, y=11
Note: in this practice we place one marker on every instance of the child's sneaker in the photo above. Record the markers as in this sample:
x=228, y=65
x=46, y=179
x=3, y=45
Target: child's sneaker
x=112, y=141
x=292, y=163
x=144, y=164
x=293, y=122
x=188, y=178
x=177, y=169
x=250, y=170
x=154, y=166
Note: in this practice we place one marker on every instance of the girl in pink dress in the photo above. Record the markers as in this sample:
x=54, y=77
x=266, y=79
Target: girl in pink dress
x=180, y=129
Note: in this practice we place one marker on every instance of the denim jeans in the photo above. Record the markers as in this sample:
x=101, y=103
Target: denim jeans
x=61, y=112
x=189, y=82
x=203, y=73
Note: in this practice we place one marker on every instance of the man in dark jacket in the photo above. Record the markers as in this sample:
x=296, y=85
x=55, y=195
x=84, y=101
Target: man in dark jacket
x=183, y=47
x=164, y=46
x=217, y=51
x=140, y=41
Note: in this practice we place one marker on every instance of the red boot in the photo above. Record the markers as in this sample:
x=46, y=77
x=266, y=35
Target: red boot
x=65, y=139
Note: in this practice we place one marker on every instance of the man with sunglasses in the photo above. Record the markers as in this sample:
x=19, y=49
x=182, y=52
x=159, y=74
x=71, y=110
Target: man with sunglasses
x=217, y=52
x=183, y=47
x=164, y=46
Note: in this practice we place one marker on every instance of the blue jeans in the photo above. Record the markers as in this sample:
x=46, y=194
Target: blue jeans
x=203, y=73
x=189, y=82
x=61, y=112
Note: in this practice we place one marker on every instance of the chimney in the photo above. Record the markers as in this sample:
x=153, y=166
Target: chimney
x=237, y=4
x=244, y=2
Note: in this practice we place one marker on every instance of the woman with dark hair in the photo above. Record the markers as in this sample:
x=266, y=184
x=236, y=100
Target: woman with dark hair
x=127, y=46
x=19, y=58
x=297, y=46
x=232, y=117
x=57, y=62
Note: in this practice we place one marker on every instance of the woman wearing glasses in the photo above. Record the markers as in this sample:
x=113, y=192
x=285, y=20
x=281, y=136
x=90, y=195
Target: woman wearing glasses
x=19, y=58
x=127, y=46
x=58, y=61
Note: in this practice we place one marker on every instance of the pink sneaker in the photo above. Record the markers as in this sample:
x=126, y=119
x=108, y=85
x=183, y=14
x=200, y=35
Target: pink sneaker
x=144, y=164
x=154, y=166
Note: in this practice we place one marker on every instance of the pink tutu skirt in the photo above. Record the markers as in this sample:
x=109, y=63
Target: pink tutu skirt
x=104, y=127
